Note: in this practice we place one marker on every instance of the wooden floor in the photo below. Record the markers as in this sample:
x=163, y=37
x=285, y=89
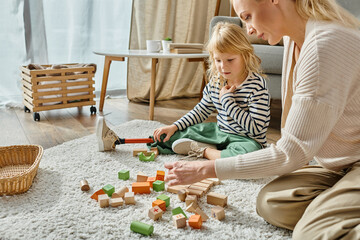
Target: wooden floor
x=58, y=126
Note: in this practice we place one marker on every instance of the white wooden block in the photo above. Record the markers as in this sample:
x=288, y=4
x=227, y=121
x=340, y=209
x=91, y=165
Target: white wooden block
x=179, y=220
x=129, y=198
x=115, y=202
x=103, y=200
x=218, y=212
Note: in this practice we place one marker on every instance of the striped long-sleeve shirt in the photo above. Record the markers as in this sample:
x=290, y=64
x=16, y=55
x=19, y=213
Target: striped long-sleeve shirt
x=321, y=107
x=245, y=112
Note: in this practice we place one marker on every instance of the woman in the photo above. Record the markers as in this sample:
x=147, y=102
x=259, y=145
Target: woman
x=320, y=120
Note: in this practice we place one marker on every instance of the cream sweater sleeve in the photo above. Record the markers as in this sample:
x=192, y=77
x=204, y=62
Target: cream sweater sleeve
x=323, y=83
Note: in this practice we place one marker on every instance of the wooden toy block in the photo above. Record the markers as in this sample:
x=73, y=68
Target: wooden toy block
x=141, y=187
x=160, y=175
x=160, y=203
x=124, y=175
x=129, y=198
x=146, y=151
x=120, y=193
x=97, y=193
x=216, y=199
x=190, y=199
x=178, y=210
x=203, y=185
x=203, y=215
x=158, y=186
x=109, y=189
x=191, y=207
x=141, y=177
x=216, y=181
x=103, y=200
x=198, y=193
x=115, y=202
x=84, y=185
x=142, y=228
x=218, y=213
x=179, y=220
x=175, y=189
x=204, y=190
x=211, y=183
x=195, y=221
x=151, y=180
x=155, y=213
x=181, y=194
x=164, y=198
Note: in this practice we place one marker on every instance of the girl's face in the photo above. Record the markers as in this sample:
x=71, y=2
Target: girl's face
x=230, y=66
x=262, y=18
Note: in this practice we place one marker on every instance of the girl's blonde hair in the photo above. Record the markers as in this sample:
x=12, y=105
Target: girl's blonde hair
x=230, y=38
x=326, y=10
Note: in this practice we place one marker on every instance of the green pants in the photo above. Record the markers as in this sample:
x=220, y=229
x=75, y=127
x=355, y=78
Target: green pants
x=229, y=144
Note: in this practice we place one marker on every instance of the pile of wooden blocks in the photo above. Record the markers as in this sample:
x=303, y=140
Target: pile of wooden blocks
x=108, y=196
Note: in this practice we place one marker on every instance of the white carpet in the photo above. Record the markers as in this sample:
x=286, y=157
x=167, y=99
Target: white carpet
x=56, y=208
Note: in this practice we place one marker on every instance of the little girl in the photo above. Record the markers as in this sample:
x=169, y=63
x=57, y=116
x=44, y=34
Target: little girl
x=236, y=90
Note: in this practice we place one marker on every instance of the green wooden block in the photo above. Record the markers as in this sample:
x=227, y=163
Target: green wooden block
x=144, y=158
x=177, y=211
x=158, y=186
x=164, y=198
x=142, y=228
x=109, y=189
x=124, y=175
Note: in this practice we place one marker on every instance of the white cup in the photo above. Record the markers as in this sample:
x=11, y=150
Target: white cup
x=153, y=45
x=166, y=46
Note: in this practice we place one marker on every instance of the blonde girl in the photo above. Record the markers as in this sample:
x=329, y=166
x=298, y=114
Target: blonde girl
x=237, y=91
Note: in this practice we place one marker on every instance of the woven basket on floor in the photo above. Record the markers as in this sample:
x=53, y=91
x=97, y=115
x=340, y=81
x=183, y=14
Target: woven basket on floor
x=18, y=167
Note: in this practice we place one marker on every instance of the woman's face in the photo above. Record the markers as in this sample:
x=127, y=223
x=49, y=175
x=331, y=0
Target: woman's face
x=262, y=18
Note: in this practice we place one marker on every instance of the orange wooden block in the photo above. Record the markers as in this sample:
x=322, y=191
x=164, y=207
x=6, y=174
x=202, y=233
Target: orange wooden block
x=97, y=193
x=160, y=175
x=141, y=187
x=195, y=221
x=160, y=203
x=151, y=180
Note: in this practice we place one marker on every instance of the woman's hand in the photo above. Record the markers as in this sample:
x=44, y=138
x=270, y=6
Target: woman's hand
x=189, y=172
x=226, y=89
x=167, y=130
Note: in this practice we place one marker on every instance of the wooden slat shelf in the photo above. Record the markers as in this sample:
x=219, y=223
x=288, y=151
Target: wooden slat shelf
x=47, y=89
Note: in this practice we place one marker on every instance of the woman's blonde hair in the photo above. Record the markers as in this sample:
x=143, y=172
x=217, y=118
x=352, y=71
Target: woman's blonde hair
x=326, y=10
x=230, y=38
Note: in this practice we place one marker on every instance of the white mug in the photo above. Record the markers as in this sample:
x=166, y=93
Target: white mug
x=166, y=46
x=153, y=45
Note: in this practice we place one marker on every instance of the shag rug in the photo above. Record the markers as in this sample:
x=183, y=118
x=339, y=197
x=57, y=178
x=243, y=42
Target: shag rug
x=56, y=208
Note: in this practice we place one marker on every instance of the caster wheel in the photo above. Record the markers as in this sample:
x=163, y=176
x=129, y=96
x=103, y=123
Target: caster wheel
x=92, y=110
x=36, y=116
x=26, y=109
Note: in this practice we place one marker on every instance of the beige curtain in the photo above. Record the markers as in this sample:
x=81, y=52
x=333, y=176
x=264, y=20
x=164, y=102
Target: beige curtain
x=185, y=21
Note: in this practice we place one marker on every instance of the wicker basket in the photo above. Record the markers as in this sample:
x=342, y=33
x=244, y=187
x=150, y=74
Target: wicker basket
x=18, y=167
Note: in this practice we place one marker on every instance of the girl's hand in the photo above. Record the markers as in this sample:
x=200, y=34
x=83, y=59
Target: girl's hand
x=168, y=130
x=226, y=89
x=189, y=172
